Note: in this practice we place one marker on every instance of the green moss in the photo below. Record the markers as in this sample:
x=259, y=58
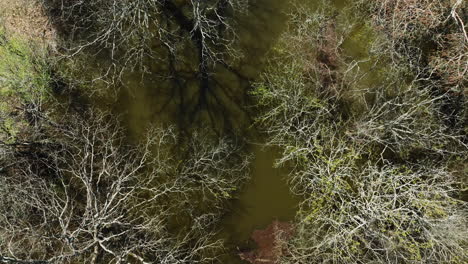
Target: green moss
x=24, y=79
x=22, y=71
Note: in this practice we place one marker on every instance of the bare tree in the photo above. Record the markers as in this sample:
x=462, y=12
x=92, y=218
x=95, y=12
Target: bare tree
x=138, y=32
x=416, y=28
x=372, y=160
x=374, y=214
x=88, y=196
x=172, y=47
x=409, y=122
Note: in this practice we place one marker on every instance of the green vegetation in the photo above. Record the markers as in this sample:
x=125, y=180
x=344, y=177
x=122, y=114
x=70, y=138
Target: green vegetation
x=24, y=84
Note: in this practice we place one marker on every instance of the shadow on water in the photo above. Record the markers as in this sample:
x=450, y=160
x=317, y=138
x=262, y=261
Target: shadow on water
x=173, y=93
x=151, y=100
x=178, y=95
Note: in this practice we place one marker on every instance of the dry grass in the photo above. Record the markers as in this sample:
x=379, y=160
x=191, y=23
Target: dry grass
x=27, y=19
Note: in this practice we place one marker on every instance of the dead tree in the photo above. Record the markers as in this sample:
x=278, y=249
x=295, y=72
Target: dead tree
x=94, y=198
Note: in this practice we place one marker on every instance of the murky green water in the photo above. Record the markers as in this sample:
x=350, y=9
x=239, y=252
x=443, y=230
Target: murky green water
x=155, y=101
x=150, y=101
x=266, y=198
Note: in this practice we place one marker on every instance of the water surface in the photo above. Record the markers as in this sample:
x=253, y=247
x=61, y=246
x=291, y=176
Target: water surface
x=153, y=100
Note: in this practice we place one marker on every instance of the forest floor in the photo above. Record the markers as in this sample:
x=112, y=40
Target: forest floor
x=28, y=20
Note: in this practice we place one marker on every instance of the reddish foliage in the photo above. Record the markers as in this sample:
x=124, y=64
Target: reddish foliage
x=270, y=243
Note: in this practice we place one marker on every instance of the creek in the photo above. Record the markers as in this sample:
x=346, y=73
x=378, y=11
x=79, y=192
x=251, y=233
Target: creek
x=143, y=102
